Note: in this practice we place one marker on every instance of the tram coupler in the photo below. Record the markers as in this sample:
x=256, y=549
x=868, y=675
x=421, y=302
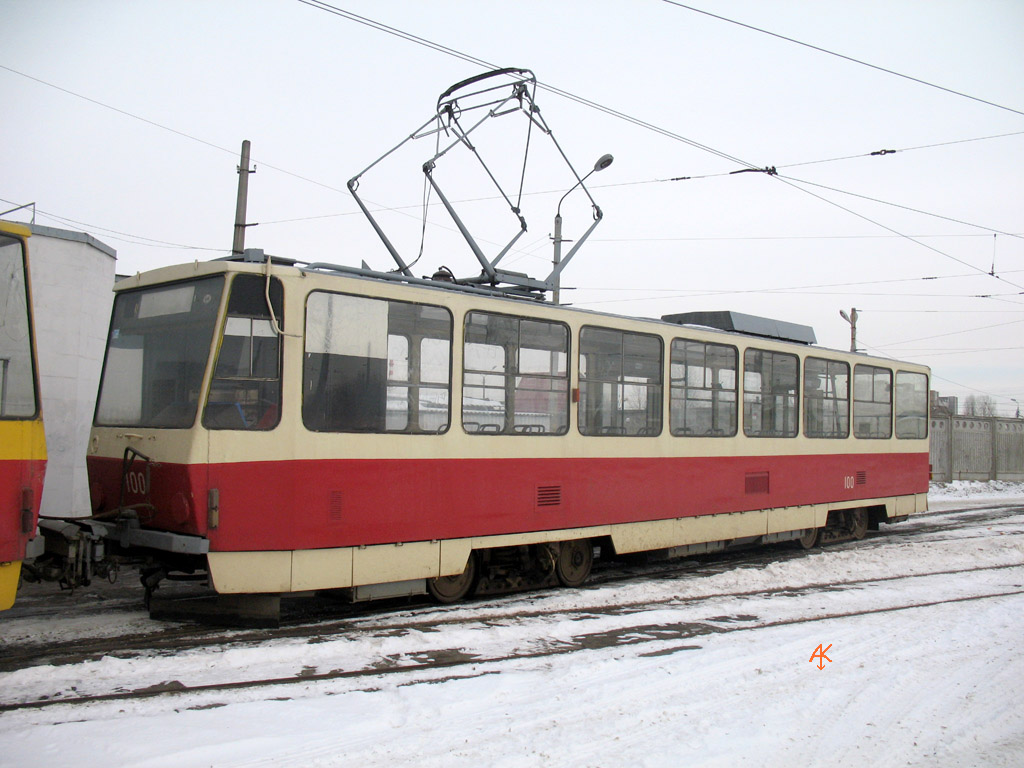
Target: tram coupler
x=73, y=553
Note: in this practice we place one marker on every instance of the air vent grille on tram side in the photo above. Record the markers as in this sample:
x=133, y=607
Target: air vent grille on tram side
x=549, y=496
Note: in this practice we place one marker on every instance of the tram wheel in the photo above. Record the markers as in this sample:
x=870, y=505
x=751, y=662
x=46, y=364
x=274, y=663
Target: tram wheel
x=810, y=540
x=859, y=523
x=451, y=589
x=574, y=561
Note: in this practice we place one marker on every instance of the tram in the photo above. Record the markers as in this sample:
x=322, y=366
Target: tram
x=279, y=427
x=273, y=426
x=22, y=442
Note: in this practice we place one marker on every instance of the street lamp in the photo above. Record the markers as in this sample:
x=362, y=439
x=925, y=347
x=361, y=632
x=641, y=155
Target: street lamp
x=602, y=162
x=852, y=320
x=1012, y=400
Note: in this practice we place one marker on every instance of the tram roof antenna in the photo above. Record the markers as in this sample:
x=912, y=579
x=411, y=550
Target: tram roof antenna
x=515, y=93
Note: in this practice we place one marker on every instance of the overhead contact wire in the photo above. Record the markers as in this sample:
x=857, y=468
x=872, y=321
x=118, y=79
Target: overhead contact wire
x=843, y=56
x=748, y=167
x=904, y=207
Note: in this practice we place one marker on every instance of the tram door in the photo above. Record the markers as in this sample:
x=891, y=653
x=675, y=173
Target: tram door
x=244, y=402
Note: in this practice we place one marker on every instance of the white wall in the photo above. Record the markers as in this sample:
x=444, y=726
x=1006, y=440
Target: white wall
x=72, y=293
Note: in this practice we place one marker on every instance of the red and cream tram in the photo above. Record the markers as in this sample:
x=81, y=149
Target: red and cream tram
x=22, y=442
x=285, y=427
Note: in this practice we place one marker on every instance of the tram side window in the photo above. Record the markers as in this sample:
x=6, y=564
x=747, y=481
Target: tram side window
x=419, y=375
x=770, y=386
x=702, y=389
x=515, y=375
x=620, y=383
x=872, y=402
x=826, y=398
x=373, y=365
x=245, y=392
x=17, y=386
x=911, y=405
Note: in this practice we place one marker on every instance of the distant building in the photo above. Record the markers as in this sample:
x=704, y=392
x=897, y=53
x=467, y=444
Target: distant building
x=72, y=282
x=943, y=406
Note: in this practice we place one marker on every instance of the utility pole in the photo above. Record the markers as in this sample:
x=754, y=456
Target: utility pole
x=238, y=246
x=852, y=320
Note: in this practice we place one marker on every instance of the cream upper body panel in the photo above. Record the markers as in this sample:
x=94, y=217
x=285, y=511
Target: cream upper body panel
x=291, y=440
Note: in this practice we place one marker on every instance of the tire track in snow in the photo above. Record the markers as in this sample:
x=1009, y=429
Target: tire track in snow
x=420, y=666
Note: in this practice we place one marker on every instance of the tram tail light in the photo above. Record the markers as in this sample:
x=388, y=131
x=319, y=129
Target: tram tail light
x=213, y=508
x=28, y=498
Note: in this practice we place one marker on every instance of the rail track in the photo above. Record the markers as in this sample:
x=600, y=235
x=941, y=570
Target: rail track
x=448, y=660
x=665, y=607
x=327, y=616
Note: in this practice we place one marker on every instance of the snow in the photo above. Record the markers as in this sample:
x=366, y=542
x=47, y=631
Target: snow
x=961, y=493
x=708, y=669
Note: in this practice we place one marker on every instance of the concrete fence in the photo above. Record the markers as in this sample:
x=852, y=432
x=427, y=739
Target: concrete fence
x=976, y=448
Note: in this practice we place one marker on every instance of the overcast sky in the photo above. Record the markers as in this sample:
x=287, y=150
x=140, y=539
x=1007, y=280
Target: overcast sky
x=125, y=120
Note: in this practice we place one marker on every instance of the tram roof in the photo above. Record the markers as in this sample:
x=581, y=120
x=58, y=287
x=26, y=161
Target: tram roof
x=727, y=323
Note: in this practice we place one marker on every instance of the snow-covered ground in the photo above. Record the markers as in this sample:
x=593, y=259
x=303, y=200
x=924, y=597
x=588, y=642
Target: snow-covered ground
x=965, y=493
x=924, y=668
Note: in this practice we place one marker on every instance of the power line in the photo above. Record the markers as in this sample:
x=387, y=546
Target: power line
x=949, y=256
x=730, y=173
x=964, y=386
x=952, y=333
x=935, y=376
x=558, y=91
x=862, y=155
x=453, y=52
x=771, y=171
x=955, y=350
x=799, y=291
x=740, y=238
x=110, y=233
x=842, y=56
x=396, y=32
x=779, y=292
x=323, y=6
x=875, y=311
x=886, y=152
x=115, y=109
x=848, y=284
x=918, y=353
x=162, y=127
x=903, y=207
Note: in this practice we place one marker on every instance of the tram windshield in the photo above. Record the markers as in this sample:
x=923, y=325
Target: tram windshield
x=17, y=384
x=157, y=351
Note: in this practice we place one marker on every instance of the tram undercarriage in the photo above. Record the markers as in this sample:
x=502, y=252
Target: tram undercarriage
x=246, y=587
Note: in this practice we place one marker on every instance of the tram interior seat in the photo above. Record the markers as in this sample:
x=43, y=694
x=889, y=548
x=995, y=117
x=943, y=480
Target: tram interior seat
x=225, y=416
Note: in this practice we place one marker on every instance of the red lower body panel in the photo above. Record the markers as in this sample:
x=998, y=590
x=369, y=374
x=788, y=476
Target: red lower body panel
x=338, y=503
x=21, y=484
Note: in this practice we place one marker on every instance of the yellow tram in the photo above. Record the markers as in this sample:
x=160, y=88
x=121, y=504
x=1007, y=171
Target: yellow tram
x=22, y=442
